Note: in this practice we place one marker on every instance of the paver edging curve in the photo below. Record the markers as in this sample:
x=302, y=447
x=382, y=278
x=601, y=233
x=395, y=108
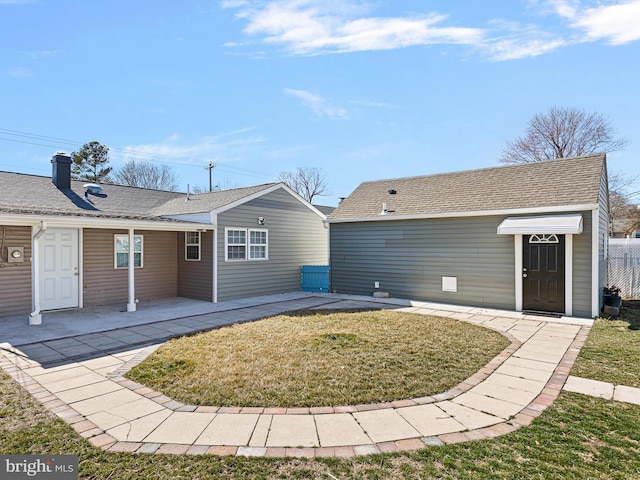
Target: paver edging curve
x=103, y=440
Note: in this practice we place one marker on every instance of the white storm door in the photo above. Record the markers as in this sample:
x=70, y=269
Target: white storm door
x=59, y=269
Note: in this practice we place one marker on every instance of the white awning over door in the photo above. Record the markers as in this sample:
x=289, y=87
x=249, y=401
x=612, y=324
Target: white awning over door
x=558, y=224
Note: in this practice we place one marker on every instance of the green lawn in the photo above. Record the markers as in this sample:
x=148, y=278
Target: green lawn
x=612, y=351
x=311, y=359
x=578, y=437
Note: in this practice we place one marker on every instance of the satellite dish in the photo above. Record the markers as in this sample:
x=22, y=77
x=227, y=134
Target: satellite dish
x=92, y=187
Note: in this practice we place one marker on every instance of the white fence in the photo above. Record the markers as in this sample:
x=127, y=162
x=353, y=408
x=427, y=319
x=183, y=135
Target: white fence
x=624, y=265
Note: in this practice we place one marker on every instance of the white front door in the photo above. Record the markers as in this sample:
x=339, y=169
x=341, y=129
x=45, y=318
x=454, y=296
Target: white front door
x=59, y=269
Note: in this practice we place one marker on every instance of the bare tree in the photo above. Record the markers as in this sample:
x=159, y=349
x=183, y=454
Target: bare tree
x=146, y=175
x=624, y=216
x=308, y=182
x=562, y=133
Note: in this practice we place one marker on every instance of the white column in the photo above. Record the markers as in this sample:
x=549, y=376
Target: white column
x=131, y=304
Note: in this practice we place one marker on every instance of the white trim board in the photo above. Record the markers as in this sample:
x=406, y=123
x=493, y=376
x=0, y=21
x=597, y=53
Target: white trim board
x=595, y=263
x=480, y=213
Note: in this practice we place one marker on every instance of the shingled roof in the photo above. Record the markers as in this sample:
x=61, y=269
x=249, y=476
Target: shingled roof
x=31, y=194
x=206, y=202
x=37, y=195
x=564, y=182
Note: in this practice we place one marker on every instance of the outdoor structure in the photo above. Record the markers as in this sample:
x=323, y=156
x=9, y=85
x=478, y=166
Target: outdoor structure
x=624, y=228
x=529, y=237
x=67, y=244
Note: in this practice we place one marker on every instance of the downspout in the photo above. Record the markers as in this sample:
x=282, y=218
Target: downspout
x=35, y=317
x=131, y=304
x=214, y=221
x=327, y=227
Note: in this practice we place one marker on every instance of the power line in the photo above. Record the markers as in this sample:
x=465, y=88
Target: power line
x=123, y=153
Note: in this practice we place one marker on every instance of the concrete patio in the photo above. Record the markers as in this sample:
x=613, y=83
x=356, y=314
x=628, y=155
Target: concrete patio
x=79, y=378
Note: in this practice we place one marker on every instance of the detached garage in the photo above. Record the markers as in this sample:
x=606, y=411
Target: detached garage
x=527, y=237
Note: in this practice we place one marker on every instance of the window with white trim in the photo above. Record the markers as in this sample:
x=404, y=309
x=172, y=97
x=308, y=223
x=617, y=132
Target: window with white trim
x=257, y=244
x=246, y=244
x=544, y=238
x=192, y=246
x=121, y=251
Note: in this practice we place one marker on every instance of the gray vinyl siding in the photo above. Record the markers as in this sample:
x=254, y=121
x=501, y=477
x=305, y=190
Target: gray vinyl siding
x=582, y=255
x=15, y=278
x=103, y=284
x=296, y=237
x=195, y=278
x=409, y=259
x=603, y=237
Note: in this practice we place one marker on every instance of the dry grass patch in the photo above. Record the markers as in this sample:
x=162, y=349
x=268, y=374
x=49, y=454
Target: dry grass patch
x=307, y=359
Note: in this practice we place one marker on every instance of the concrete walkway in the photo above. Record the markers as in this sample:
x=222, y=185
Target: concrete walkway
x=606, y=390
x=80, y=380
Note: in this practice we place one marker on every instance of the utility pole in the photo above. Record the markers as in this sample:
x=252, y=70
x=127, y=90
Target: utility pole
x=210, y=168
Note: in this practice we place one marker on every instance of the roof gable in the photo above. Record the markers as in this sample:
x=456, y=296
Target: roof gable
x=221, y=201
x=28, y=195
x=563, y=182
x=210, y=201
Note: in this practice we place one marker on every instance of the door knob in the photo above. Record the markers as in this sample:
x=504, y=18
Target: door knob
x=524, y=275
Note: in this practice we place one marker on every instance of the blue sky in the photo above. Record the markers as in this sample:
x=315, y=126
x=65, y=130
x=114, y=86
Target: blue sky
x=363, y=90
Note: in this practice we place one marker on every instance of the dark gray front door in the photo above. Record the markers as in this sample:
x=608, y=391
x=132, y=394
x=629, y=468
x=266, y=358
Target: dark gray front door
x=543, y=273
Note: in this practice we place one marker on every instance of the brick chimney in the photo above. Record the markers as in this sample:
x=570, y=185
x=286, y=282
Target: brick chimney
x=61, y=173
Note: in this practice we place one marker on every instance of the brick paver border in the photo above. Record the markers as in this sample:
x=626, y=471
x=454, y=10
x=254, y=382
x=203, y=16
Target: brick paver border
x=100, y=439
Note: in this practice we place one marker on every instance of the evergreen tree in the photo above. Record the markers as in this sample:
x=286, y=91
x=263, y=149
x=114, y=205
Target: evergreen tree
x=90, y=163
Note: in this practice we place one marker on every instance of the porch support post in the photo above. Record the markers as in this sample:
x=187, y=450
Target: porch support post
x=131, y=304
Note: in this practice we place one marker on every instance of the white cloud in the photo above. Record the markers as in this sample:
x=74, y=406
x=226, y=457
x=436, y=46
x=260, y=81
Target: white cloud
x=19, y=72
x=618, y=23
x=564, y=8
x=321, y=106
x=503, y=50
x=514, y=41
x=313, y=27
x=307, y=27
x=177, y=150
